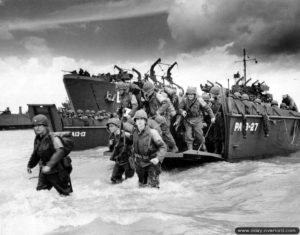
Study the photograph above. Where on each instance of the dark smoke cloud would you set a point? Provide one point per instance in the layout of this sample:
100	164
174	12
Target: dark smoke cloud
264	27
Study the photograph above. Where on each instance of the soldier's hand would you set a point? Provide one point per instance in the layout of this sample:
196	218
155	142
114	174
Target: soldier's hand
213	120
204	124
46	169
176	123
154	161
184	113
29	170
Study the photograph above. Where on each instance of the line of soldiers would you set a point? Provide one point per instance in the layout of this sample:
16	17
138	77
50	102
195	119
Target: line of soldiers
87	118
147	119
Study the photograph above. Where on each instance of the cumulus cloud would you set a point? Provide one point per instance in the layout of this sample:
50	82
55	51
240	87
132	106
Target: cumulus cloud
265	27
36	46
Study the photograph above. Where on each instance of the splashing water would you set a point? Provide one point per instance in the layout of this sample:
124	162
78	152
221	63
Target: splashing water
210	199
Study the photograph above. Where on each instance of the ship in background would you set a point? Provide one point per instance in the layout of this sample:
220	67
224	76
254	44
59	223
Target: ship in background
10	121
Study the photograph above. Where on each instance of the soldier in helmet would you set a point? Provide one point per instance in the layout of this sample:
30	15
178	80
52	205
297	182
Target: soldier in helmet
209	141
191	108
265	119
120	145
218	129
148	151
250	108
157	107
291	105
48	152
128	99
275	110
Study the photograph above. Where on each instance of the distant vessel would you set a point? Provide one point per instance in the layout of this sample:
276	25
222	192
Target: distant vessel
9	121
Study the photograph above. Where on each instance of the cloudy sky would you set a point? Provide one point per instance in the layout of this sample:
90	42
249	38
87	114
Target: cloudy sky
41	38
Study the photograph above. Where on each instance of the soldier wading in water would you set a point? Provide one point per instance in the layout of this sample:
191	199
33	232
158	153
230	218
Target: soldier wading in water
48	153
121	146
148	151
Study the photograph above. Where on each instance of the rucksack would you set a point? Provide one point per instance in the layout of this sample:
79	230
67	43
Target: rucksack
68	143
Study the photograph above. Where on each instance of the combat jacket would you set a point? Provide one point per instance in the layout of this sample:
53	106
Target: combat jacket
157	104
121	146
195	108
48	151
128	100
147	144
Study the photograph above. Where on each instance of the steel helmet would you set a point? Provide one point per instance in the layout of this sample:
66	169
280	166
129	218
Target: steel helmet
257	101
92	111
215	90
206	96
148	88
274	103
121	86
191	90
245	97
87	111
237	94
114	121
283	105
140	114
40	119
79	111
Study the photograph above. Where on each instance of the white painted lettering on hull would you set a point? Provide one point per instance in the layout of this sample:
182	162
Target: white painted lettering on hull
78	133
249	126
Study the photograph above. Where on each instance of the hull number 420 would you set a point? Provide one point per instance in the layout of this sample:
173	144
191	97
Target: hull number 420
78	133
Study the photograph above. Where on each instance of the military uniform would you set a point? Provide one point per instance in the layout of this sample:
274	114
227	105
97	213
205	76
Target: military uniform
49	151
121	147
291	105
147	145
194	118
157	108
218	128
127	99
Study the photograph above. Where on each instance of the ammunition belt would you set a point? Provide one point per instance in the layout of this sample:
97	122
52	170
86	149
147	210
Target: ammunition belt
144	157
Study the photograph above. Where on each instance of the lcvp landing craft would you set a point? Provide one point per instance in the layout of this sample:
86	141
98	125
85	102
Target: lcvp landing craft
246	136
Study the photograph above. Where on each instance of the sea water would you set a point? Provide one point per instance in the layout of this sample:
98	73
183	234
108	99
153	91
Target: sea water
214	198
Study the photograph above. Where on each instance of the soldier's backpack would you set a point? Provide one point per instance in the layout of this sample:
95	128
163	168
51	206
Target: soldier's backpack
68	143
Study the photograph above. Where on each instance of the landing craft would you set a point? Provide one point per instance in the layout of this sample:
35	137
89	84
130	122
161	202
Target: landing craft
245	133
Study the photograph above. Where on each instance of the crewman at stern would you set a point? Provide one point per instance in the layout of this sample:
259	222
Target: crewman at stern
48	152
148	150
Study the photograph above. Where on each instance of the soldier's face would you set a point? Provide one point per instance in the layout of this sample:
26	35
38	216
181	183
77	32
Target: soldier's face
112	128
190	96
141	123
40	130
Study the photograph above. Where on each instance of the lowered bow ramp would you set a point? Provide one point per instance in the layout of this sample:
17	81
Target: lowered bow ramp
189	158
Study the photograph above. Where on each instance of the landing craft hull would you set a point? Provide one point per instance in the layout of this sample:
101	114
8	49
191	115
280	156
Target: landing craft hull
89	93
283	139
88	137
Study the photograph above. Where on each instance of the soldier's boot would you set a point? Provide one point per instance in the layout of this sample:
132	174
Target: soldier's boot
174	149
203	148
190	146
